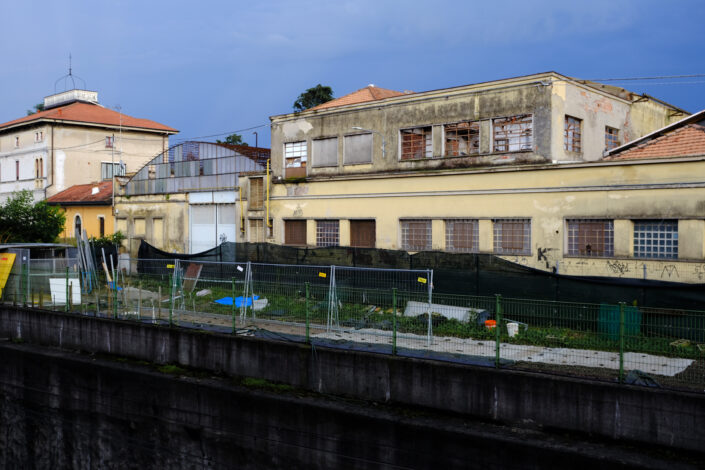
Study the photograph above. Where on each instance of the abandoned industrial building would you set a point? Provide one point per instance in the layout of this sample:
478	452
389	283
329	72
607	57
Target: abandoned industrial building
513	167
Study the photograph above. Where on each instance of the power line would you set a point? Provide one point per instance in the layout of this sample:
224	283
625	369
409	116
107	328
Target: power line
223	133
662	77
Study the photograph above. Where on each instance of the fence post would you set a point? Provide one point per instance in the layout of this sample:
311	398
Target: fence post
394	321
621	342
171	301
429	280
308	326
66	304
497	328
115	297
27	282
232	307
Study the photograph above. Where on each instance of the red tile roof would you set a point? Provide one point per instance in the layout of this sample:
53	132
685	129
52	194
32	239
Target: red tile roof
685	141
79	111
82	194
363	95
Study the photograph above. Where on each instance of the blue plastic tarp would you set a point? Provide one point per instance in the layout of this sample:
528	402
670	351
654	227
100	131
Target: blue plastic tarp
238	301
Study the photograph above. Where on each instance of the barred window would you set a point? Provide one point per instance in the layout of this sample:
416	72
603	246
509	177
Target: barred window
295	154
327	233
416	235
512	236
462	235
462	138
611	138
572	134
656	239
416	143
590	237
513	133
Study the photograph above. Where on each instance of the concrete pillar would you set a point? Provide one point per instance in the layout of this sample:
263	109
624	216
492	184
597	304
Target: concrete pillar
311	232
438	234
623	238
344	232
486	242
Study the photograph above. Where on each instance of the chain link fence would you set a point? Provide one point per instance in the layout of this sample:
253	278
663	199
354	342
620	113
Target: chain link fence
390	311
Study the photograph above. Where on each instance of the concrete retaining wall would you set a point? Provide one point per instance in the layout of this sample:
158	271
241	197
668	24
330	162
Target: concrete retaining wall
614	411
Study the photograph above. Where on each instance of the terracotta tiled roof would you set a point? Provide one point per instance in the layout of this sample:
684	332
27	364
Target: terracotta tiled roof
91	113
688	140
363	95
83	194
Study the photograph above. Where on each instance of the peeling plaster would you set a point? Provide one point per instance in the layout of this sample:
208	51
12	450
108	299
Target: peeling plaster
292	129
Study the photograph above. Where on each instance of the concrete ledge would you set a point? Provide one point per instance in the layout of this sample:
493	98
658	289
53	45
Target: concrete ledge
623	413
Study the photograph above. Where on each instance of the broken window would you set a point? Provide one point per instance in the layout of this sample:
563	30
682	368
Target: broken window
325	152
327	233
512	236
512	134
462	138
462	235
295	154
416	143
415	235
572	134
656	239
611	138
295	232
590	237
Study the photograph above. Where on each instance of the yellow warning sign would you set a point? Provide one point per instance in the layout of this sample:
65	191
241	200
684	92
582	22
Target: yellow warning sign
322	275
169	266
422	280
6	262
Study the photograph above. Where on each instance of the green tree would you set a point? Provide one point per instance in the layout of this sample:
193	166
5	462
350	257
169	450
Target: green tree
232	139
37	108
313	97
22	221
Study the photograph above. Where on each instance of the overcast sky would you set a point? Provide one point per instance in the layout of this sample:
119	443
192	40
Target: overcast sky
213	67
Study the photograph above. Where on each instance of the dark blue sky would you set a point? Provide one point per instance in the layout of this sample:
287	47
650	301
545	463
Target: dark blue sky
215	67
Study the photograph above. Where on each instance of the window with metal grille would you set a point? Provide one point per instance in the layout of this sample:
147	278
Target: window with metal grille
295	232
256	201
462	235
590	237
327	233
512	236
325	152
295	154
415	235
416	143
462	138
611	138
107	168
572	134
357	149
656	239
513	133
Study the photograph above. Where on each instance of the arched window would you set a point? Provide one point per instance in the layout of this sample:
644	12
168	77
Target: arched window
77	225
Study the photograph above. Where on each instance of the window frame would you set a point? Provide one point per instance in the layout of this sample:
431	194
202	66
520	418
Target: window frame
109	142
572	134
518	118
471	143
289	223
314	163
673	251
299	150
256	201
428	145
612	137
580	240
451	236
345	148
498	235
404	233
327	232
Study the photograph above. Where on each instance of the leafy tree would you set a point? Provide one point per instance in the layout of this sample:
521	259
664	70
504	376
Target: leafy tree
37	108
313	97
22	221
232	139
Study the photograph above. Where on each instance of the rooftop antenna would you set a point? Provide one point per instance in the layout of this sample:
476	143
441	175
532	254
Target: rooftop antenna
69	76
